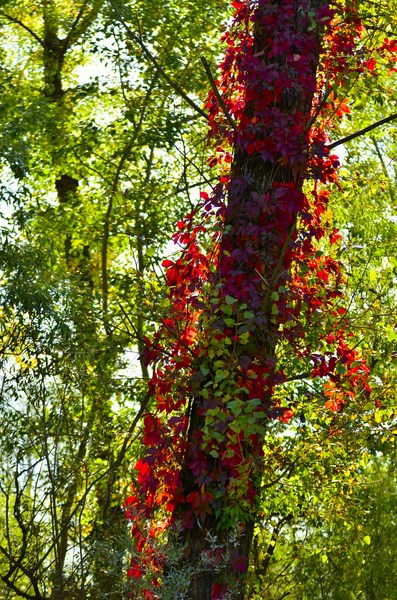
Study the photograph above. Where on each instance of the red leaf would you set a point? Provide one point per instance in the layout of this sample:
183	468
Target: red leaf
167	263
323	275
334	236
218	591
135	571
240	564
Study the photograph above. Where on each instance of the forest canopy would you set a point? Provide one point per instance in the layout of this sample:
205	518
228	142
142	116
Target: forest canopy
198	310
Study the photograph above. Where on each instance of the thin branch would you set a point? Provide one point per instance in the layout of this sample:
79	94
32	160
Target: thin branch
21	24
192	163
75	23
106	226
306	375
21	594
137	39
279	478
106	231
80	24
361	132
128	440
217	94
273	541
384	168
179	189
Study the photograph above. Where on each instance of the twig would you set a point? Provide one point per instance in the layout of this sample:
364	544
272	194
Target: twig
21	24
217	94
155	62
361	132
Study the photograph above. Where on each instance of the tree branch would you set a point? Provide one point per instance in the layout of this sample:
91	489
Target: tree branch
21	24
21	594
137	39
361	132
80	24
106	233
217	94
273	541
106	225
75	23
384	167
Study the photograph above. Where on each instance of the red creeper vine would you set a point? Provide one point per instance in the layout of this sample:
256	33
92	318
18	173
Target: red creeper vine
252	277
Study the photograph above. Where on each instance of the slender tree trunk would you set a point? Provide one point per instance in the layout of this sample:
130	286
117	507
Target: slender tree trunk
250	270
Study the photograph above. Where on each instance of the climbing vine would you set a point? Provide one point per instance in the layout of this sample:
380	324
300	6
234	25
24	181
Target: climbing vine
256	294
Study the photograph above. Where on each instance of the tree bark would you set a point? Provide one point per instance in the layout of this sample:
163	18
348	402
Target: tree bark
255	182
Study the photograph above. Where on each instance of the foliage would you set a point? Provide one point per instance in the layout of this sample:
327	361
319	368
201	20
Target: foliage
346	553
253	403
94	146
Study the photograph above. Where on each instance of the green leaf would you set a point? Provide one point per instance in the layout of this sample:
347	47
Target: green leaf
367	540
221	374
235	406
226	308
248	315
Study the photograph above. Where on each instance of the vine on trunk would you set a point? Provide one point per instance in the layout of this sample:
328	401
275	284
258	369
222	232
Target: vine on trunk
254	297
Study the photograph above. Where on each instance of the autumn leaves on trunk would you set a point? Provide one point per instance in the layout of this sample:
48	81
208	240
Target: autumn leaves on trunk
250	280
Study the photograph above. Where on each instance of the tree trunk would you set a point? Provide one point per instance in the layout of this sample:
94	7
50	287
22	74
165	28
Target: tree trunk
264	200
